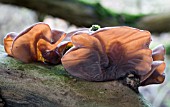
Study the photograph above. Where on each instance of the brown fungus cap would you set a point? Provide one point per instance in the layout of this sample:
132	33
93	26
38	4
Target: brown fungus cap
111	53
156	74
28	45
8	40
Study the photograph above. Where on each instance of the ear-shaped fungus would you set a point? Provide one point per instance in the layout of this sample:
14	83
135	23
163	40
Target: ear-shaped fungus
8	40
112	53
27	45
156	74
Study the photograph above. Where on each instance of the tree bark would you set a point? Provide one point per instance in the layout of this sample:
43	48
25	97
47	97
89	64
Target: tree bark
36	84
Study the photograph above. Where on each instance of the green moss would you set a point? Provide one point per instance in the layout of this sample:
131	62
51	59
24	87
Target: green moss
90	1
105	13
131	19
121	18
36	69
94	28
167	47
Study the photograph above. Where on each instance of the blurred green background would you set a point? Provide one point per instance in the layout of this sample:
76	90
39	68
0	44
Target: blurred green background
68	15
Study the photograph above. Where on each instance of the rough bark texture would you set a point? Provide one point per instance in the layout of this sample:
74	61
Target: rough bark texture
39	85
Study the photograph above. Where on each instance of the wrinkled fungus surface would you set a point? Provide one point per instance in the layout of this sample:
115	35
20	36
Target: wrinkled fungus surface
36	43
102	55
111	53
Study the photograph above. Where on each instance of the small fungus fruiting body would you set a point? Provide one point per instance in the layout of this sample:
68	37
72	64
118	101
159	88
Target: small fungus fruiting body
98	54
8	40
156	74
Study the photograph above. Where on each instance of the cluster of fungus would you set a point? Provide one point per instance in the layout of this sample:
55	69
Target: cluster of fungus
102	54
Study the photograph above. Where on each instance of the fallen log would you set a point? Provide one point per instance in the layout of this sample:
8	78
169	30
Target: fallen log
40	85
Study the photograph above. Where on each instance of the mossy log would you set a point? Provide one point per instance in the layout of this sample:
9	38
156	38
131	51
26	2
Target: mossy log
40	85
